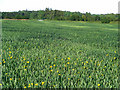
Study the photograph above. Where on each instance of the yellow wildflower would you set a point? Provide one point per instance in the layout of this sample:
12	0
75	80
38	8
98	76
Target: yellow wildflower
0	84
25	69
24	86
3	61
43	83
68	63
57	71
107	54
54	65
102	60
31	83
27	61
73	69
36	84
11	57
86	61
50	66
51	70
98	85
29	86
68	78
59	74
0	63
89	76
9	51
115	51
68	58
61	59
114	57
10	78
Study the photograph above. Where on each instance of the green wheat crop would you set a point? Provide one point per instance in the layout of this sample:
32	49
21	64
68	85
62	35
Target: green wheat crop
53	54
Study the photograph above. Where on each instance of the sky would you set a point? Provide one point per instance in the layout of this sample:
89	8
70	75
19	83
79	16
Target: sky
92	6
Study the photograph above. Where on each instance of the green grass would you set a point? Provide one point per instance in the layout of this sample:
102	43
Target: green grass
57	54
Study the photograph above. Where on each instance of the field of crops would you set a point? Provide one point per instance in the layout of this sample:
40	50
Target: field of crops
54	54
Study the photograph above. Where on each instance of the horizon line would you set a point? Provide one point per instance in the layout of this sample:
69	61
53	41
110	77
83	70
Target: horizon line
55	9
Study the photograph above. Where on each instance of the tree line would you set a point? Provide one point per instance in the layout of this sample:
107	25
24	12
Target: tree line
50	14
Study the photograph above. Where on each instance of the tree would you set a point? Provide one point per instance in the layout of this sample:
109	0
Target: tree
88	16
41	14
59	15
33	15
97	18
83	17
105	20
75	17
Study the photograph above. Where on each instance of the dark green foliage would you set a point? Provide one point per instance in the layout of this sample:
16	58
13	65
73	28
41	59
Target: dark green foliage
105	20
75	17
118	17
59	15
97	17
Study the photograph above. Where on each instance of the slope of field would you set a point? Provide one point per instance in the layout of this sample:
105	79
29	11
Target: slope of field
59	54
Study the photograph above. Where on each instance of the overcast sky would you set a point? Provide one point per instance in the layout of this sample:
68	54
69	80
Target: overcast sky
92	6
